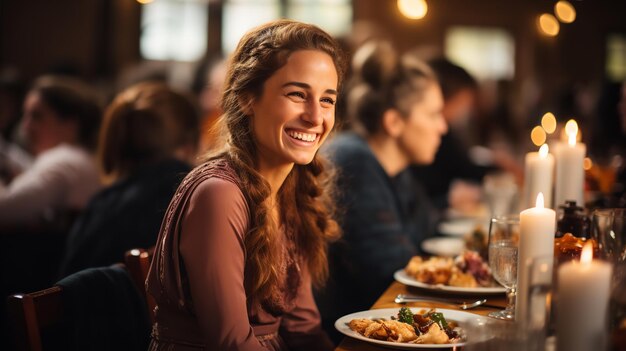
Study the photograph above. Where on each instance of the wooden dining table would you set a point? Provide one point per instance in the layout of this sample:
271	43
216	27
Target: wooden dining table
386	300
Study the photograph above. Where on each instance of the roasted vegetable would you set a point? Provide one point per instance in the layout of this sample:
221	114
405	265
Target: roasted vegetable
439	319
405	316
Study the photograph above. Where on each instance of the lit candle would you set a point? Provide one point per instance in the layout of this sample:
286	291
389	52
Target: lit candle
570	174
583	297
539	168
537	227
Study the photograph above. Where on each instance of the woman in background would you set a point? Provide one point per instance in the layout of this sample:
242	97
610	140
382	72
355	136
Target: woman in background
61	122
148	143
245	236
397	103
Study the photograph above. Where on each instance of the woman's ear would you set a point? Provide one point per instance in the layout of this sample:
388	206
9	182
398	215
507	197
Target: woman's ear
393	123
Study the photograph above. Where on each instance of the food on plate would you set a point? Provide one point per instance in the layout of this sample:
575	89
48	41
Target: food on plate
477	241
467	270
569	247
425	327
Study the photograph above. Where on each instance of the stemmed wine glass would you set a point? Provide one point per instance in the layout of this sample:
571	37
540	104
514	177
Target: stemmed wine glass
503	246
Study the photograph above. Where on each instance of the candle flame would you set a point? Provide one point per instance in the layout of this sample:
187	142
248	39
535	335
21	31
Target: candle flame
587	254
539	202
571	129
543	151
571	139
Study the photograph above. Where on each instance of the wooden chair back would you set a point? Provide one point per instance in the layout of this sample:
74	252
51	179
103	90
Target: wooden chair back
36	317
32	314
138	264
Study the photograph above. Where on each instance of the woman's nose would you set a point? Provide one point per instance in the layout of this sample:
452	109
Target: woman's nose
313	114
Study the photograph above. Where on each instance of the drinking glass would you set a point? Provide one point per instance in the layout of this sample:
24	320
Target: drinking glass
503	246
608	228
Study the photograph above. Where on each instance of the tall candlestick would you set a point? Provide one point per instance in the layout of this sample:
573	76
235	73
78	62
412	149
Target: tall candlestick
570	174
537	227
539	169
583	297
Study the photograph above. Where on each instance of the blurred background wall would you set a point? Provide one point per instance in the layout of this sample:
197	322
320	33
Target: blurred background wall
100	40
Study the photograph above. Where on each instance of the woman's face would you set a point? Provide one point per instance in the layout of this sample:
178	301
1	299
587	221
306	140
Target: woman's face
43	127
424	127
296	109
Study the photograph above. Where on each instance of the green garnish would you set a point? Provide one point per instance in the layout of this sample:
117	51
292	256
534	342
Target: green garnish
405	315
438	318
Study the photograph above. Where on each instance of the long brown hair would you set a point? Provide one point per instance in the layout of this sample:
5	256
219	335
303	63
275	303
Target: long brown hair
260	53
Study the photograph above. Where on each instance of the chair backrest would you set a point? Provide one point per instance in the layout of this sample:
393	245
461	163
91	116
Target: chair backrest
48	319
138	264
30	314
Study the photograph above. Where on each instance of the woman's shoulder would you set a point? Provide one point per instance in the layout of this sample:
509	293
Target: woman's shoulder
215	182
217	168
64	154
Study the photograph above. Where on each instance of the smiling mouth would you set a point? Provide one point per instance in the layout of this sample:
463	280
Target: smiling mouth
307	137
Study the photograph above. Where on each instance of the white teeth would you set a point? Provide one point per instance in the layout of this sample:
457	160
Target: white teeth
302	136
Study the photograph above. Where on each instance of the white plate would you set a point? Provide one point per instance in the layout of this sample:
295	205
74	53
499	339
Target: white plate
444	246
401	276
458	316
457	227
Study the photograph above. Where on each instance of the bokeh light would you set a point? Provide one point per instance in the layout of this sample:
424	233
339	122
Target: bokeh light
144	1
587	163
549	25
538	136
413	9
565	11
548	122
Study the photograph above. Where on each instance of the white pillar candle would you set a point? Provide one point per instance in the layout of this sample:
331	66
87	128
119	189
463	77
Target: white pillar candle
539	170
537	228
570	174
583	297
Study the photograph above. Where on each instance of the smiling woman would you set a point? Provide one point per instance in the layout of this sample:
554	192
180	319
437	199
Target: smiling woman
235	259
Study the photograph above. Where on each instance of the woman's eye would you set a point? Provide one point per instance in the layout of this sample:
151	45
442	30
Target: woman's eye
297	94
327	100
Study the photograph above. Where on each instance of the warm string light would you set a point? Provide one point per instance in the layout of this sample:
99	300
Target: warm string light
549	25
565	11
413	9
548	122
538	136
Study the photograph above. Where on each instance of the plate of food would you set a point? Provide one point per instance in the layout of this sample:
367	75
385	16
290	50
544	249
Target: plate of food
409	328
464	274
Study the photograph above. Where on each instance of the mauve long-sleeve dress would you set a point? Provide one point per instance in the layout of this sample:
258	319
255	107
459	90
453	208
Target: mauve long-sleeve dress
197	276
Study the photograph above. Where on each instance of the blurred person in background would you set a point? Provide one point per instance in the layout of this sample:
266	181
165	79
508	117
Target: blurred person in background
452	161
13	158
209	87
61	121
148	143
397	105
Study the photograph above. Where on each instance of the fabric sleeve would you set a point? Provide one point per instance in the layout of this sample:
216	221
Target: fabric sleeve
212	248
379	243
27	198
301	328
